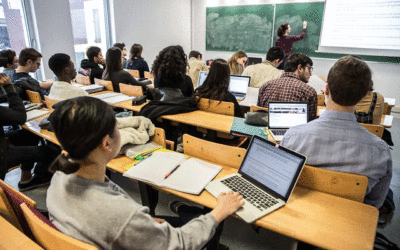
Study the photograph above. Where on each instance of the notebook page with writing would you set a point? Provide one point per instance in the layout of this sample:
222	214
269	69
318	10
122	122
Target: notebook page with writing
192	176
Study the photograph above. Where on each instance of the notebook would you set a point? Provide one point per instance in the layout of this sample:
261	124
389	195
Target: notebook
266	178
190	175
240	128
35	113
284	115
112	98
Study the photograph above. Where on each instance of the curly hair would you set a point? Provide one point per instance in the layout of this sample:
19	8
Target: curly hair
282	29
169	67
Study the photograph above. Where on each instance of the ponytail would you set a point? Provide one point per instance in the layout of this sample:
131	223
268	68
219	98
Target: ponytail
64	164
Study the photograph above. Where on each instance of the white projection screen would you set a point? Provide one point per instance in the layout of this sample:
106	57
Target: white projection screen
365	27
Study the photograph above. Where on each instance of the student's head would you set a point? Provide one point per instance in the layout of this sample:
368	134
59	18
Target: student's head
299	64
275	56
113	62
195	54
240	57
62	66
30	59
83	125
283	30
136	51
94	54
169	67
217	82
349	80
122	47
12	60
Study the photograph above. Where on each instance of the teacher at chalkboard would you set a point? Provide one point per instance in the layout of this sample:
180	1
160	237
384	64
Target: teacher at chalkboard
285	42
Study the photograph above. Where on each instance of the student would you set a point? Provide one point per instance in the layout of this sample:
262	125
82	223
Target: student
115	73
24	151
237	62
90	67
291	86
29	61
122	47
267	70
169	71
64	69
83	203
216	85
12	62
285	42
136	60
336	141
195	66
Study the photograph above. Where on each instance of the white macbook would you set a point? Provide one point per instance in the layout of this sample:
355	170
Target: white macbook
266	178
284	115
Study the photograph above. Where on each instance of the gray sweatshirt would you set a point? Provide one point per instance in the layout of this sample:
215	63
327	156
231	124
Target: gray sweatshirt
102	214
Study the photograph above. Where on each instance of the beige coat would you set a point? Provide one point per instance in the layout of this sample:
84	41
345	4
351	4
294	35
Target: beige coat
261	73
195	66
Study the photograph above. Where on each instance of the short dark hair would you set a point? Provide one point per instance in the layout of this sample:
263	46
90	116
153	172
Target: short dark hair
195	54
275	53
282	29
9	54
294	60
136	51
92	52
349	80
121	46
58	62
73	124
28	54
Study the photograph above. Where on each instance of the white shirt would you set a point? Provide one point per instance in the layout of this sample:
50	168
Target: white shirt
63	90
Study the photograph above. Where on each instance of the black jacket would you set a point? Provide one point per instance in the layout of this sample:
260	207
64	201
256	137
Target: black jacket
155	109
94	69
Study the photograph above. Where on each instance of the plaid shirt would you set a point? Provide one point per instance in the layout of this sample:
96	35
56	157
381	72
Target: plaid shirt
289	88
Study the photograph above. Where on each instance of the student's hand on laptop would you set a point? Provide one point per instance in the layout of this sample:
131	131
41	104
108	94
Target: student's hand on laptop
227	204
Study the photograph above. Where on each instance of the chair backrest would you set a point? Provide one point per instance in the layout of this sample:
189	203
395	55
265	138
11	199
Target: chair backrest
133	72
223	108
33	96
159	137
321	100
131	90
148	75
84	80
107	84
345	185
49	102
213	152
50	238
6	210
375	129
255	108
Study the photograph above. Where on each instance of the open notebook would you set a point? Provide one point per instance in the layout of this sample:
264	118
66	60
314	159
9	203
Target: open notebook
190	177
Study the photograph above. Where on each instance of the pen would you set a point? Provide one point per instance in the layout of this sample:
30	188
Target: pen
173	170
143	159
140	157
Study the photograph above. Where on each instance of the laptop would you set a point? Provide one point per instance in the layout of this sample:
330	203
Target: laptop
284	115
266	178
253	60
238	85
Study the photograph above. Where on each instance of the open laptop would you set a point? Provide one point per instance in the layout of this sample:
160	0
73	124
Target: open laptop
253	60
266	178
284	115
238	85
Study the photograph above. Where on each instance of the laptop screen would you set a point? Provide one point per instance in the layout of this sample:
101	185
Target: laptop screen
273	168
202	77
239	84
287	114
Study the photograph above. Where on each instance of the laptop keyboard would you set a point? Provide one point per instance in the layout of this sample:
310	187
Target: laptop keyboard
279	131
250	193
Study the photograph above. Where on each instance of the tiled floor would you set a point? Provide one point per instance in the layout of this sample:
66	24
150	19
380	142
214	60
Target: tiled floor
237	234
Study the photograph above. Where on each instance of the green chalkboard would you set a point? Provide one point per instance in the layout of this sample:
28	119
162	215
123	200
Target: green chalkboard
240	27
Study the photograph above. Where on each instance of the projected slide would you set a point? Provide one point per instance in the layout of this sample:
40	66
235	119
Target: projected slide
361	24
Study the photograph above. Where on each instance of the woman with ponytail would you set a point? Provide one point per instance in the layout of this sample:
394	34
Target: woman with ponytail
85	204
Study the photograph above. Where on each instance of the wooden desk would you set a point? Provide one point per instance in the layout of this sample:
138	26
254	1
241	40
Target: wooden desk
13	239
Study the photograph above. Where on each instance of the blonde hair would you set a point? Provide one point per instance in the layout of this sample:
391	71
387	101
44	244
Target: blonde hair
234	66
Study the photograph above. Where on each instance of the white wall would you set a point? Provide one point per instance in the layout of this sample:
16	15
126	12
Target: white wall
54	28
154	24
386	76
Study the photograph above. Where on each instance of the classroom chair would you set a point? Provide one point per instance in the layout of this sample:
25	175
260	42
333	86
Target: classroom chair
107	84
84	80
148	75
131	90
133	72
218	107
375	129
47	235
34	97
321	100
49	102
255	108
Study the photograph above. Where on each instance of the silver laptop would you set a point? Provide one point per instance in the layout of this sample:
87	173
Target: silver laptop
238	85
266	178
284	115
